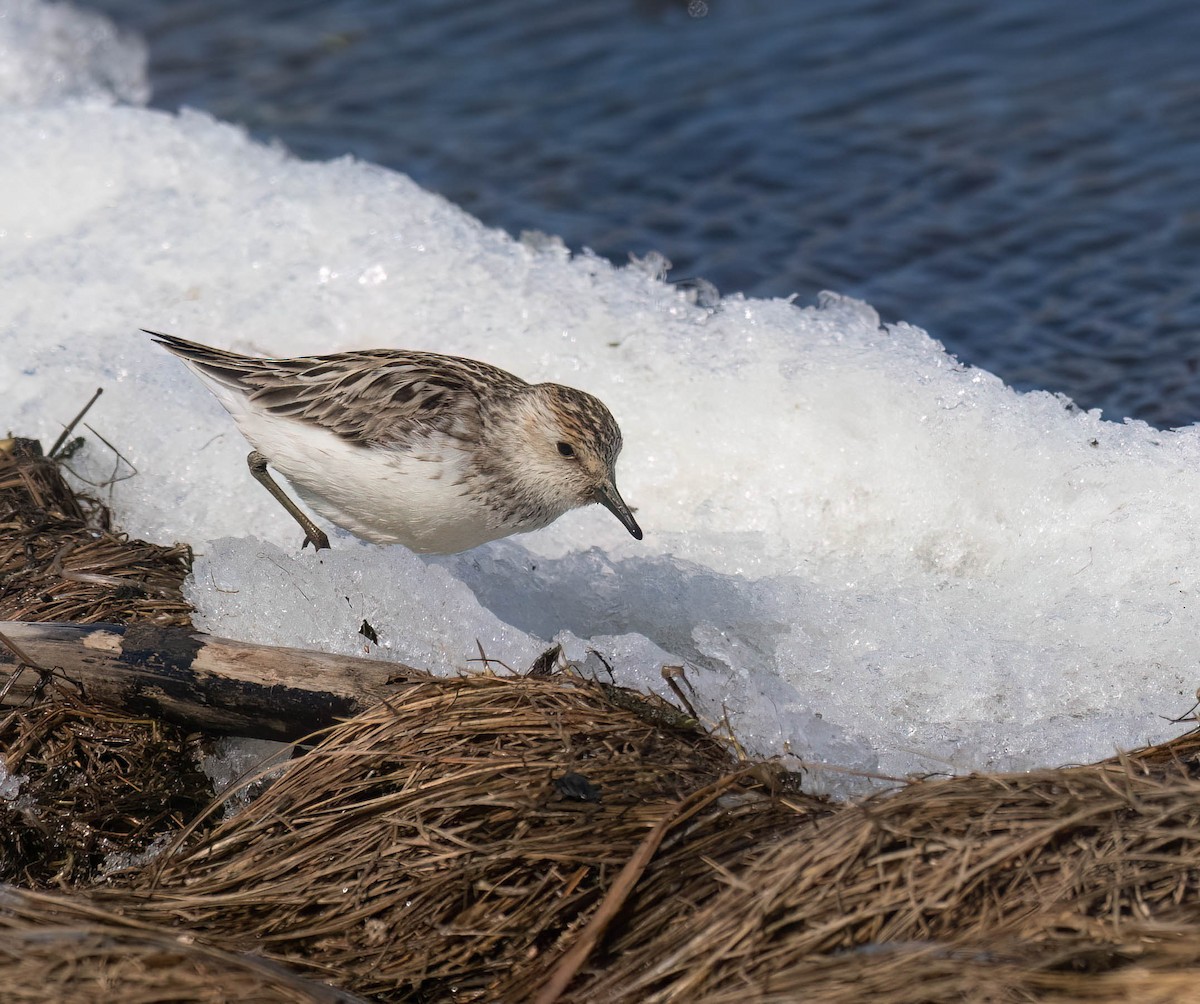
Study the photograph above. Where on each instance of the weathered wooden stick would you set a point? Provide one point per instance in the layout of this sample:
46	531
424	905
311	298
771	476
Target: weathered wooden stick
198	681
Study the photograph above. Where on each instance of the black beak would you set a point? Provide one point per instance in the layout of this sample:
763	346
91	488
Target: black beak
608	496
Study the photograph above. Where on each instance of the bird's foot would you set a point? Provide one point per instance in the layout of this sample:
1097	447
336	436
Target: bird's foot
320	541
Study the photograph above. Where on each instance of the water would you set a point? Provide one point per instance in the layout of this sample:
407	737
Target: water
1019	179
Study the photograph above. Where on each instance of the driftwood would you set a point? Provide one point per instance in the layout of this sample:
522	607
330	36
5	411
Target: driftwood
181	675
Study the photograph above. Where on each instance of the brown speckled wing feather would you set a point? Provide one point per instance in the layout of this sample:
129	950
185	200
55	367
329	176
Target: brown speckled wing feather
374	397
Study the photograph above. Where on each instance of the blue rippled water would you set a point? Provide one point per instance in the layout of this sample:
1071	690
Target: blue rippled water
1021	179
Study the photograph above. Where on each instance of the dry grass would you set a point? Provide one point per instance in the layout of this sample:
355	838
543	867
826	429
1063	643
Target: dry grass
99	787
1073	884
60	949
60	560
98	781
426	850
423	852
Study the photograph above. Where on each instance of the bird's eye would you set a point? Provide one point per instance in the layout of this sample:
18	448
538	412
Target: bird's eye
566	449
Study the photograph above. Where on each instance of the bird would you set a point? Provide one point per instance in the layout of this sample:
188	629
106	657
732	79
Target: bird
438	453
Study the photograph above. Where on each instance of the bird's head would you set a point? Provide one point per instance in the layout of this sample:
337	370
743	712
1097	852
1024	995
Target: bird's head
569	448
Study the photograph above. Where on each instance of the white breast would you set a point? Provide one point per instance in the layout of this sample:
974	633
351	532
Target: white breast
410	497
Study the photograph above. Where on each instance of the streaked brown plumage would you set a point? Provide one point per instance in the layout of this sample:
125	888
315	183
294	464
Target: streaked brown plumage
439	453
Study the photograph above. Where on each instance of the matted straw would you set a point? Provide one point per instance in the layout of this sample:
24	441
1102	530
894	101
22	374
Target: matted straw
455	842
1050	885
95	785
97	789
61	561
56	950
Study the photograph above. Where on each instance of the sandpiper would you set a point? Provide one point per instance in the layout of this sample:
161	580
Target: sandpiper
438	453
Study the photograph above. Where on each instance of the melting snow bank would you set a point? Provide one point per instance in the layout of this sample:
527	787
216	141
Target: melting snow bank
864	551
51	52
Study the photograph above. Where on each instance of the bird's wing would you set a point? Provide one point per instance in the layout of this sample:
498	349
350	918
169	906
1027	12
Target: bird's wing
374	397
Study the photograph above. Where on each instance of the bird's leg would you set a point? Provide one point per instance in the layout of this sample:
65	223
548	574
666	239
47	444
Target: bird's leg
258	467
